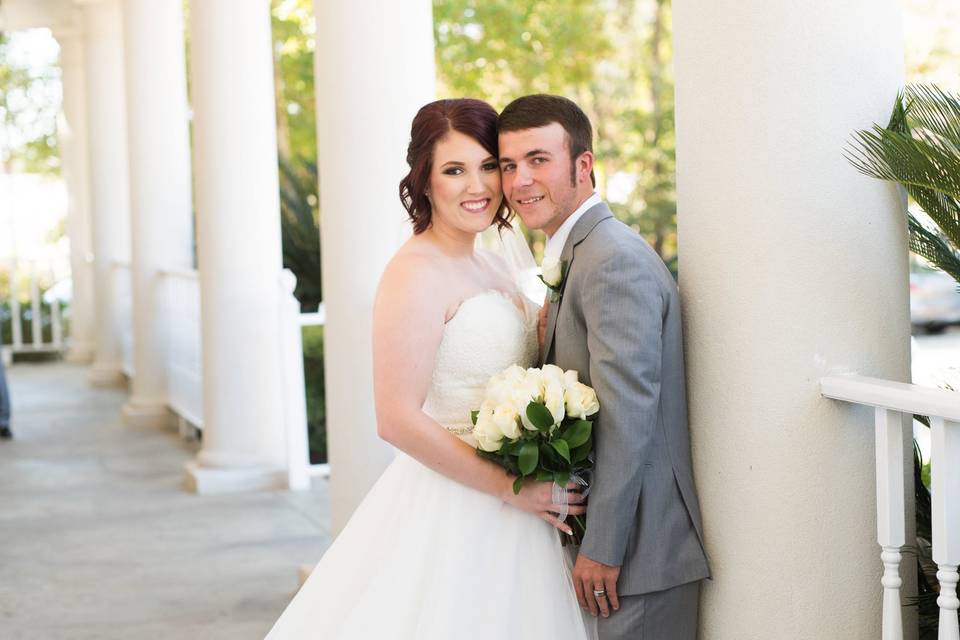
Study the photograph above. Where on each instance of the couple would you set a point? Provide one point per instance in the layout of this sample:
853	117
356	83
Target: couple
441	547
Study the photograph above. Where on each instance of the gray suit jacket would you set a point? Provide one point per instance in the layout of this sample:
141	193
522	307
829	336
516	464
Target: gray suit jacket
618	324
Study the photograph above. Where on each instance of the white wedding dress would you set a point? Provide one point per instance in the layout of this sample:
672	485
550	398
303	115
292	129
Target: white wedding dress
427	558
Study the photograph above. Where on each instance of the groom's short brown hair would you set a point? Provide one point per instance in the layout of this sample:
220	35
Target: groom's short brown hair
540	110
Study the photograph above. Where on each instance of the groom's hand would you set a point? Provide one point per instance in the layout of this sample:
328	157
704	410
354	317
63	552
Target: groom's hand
590	576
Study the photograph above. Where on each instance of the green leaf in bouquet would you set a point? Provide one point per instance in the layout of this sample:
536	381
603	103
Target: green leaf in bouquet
517	485
578	433
540	416
550	459
561	447
529	455
580	454
473	417
561	478
543	475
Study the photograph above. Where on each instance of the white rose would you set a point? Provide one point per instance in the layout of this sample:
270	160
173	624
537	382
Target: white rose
514	374
552	273
498	391
520	400
552	373
533	380
570	378
486	432
581	401
554	398
505	417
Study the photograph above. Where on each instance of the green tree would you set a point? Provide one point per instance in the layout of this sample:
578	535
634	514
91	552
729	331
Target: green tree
29	102
612	57
293	39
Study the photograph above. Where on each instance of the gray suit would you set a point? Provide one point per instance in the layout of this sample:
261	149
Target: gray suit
618	324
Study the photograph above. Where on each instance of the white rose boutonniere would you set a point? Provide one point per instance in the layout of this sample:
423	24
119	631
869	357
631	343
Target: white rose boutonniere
553	272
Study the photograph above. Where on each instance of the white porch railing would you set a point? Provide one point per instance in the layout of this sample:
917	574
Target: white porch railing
181	307
894	404
36	344
121	281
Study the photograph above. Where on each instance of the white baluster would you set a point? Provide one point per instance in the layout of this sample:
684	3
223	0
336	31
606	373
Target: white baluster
891	581
945	496
891	524
56	324
295	404
948	602
36	318
15	321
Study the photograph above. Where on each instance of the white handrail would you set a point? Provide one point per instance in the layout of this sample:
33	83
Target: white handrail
898	396
894	405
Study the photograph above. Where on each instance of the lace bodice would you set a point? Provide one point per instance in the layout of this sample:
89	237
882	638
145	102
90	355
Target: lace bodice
487	334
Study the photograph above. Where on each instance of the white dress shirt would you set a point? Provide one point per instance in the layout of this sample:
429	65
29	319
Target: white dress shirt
557	240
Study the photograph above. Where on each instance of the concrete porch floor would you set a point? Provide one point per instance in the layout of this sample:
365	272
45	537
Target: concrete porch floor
99	539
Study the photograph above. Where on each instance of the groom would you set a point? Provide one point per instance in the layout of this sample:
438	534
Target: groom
616	320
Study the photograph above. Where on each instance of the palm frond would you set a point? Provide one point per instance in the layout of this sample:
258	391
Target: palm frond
902	157
943	210
933	109
934	248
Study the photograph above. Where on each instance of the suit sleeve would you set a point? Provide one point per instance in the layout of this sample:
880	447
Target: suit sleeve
623	307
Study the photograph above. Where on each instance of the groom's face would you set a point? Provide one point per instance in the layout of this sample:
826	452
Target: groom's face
536	169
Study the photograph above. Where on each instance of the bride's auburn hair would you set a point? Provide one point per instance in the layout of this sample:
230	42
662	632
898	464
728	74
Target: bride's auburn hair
471	117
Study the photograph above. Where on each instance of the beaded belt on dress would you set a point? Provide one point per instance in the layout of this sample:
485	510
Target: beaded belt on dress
459	429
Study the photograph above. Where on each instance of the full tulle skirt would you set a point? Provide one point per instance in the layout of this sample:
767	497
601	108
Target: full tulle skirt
427	558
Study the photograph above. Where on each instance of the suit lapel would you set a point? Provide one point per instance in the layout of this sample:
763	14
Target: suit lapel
580	231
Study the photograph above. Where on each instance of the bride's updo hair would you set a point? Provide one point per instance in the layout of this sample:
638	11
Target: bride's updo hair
474	118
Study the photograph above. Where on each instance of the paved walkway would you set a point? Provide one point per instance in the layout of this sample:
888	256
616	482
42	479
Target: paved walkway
99	540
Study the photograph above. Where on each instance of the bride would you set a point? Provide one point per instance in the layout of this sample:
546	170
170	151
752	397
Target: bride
441	547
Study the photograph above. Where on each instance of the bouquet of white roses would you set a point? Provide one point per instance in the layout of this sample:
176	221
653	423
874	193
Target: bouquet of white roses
538	423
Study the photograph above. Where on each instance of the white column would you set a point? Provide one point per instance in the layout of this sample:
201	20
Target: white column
160	197
792	266
238	236
109	191
74	154
374	70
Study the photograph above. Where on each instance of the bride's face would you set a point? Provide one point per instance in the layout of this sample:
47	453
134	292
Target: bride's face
464	184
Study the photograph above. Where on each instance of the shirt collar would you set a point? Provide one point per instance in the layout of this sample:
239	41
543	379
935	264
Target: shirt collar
557	240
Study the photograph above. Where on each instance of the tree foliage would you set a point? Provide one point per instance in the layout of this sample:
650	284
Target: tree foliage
293	39
612	57
29	102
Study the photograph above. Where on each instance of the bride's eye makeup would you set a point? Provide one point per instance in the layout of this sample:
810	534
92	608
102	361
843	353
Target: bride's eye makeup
453	171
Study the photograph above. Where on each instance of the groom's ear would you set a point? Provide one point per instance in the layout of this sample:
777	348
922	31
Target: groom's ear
584	166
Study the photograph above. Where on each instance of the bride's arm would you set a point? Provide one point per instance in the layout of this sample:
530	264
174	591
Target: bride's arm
408	323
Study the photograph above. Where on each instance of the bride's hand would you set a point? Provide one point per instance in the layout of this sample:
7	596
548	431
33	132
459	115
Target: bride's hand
537	498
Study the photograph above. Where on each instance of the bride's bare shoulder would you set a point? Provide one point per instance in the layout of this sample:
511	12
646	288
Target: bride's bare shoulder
413	272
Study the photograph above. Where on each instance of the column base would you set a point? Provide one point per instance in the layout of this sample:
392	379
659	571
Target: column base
106	375
213	480
80	353
150	414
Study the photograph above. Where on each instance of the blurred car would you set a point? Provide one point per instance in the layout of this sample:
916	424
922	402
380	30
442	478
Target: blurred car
934	299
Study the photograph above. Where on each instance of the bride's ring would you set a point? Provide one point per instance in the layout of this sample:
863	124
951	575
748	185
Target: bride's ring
599	593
